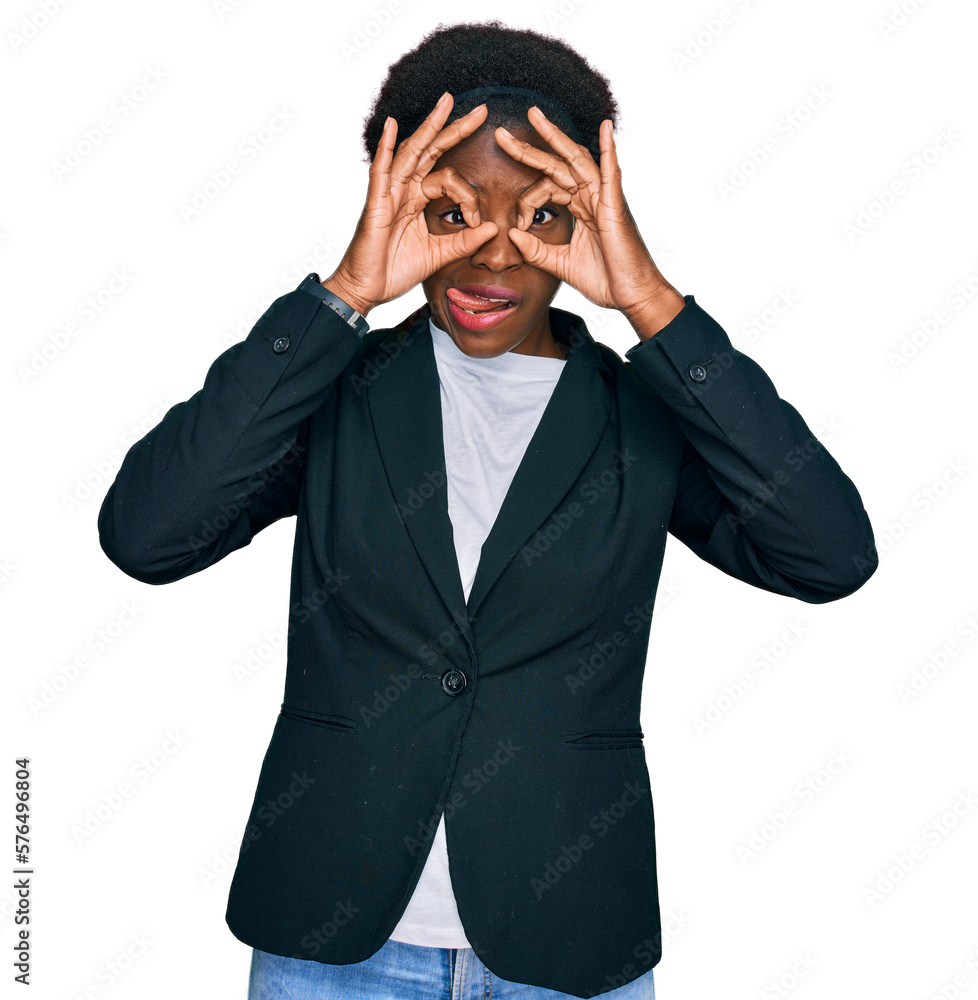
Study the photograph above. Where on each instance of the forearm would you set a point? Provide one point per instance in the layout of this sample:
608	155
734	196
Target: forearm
197	486
762	498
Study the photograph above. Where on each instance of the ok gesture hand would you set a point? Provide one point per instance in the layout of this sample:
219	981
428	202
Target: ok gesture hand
606	259
392	250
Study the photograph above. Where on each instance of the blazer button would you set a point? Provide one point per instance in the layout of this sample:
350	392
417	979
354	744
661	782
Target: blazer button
452	681
280	345
697	373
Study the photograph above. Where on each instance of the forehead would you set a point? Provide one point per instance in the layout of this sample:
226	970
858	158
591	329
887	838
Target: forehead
484	164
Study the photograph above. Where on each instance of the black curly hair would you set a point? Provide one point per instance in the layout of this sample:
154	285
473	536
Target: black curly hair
463	57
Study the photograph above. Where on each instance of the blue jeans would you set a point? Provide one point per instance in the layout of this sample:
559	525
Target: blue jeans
402	971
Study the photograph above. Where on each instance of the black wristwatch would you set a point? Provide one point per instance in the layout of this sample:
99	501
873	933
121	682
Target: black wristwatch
346	312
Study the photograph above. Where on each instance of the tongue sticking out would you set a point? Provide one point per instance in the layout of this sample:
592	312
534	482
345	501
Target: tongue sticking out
476	303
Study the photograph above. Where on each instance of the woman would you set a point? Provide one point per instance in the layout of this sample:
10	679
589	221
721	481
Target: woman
482	498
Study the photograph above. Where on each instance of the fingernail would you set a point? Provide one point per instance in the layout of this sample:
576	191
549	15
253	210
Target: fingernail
443	96
505	131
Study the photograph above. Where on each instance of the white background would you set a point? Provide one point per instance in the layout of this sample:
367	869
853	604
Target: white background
158	868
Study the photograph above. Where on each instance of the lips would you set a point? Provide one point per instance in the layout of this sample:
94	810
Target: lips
478	307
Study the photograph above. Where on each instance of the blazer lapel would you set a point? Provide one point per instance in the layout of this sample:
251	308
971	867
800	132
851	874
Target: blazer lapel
405	407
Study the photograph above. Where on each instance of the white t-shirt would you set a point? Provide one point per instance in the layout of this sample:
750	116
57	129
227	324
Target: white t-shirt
490	409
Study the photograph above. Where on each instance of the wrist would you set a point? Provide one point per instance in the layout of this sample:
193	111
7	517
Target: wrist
338	285
656	311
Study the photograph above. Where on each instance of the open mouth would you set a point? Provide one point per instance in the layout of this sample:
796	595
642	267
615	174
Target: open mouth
479	310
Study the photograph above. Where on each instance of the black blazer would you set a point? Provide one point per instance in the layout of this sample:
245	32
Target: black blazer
516	712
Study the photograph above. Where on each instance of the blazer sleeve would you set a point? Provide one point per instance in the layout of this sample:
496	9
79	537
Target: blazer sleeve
758	496
227	462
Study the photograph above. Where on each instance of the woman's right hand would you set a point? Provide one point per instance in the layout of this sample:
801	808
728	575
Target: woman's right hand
392	250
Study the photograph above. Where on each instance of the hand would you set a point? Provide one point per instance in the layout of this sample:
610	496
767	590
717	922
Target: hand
392	250
606	259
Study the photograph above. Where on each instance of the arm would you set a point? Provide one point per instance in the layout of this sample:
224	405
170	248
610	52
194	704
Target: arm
758	496
227	462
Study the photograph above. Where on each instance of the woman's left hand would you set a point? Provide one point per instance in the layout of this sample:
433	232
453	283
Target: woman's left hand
606	259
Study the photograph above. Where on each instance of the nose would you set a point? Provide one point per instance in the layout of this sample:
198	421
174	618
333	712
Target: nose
499	253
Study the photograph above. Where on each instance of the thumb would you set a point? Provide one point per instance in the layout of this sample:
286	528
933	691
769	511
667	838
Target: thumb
463	243
533	250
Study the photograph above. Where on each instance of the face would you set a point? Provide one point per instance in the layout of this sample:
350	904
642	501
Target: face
458	293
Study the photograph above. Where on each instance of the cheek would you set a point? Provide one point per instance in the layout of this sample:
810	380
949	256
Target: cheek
543	286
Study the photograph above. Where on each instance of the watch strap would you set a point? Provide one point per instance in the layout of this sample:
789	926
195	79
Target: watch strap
312	284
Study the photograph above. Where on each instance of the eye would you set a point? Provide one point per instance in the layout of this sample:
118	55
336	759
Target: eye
453	216
539	216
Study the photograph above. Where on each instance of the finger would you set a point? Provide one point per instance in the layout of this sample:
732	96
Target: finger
447	183
464	243
610	170
546	189
553	166
450	136
410	150
578	157
537	253
379	183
